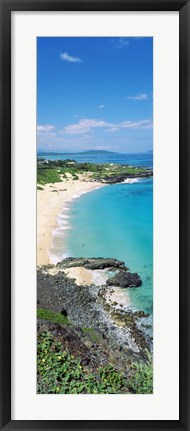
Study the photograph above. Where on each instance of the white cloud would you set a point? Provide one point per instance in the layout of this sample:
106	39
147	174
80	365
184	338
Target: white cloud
141	124
121	42
85	125
128	124
82	130
101	106
69	58
142	96
43	128
113	128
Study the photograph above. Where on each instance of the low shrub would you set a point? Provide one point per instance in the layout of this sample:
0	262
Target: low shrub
52	316
141	380
59	372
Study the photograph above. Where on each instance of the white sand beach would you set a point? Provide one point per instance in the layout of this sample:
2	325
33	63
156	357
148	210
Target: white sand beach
82	276
50	201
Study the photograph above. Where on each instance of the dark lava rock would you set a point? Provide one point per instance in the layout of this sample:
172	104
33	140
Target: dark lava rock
124	279
122	177
92	263
140	314
87	307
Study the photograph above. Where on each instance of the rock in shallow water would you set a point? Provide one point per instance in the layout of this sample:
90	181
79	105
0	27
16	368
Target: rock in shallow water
124	279
92	263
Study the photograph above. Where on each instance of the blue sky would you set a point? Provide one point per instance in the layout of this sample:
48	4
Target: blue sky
94	93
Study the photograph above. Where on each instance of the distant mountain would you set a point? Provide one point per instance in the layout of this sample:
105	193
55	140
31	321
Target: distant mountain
48	153
149	151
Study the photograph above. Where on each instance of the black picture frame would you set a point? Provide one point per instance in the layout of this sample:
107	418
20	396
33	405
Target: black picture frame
183	6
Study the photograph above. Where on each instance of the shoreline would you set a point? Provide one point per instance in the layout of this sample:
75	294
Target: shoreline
50	202
96	307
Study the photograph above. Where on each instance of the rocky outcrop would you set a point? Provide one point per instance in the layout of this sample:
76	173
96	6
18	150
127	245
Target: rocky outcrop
124	279
113	179
89	306
86	343
92	263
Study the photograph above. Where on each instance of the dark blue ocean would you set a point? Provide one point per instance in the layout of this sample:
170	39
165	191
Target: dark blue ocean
144	159
115	221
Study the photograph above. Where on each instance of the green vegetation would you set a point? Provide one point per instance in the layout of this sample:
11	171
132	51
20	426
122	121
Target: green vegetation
61	373
141	381
75	177
49	171
48	176
52	316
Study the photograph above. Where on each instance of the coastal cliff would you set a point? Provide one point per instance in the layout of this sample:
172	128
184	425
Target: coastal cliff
87	320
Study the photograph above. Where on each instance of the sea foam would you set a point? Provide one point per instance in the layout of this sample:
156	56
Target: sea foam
131	181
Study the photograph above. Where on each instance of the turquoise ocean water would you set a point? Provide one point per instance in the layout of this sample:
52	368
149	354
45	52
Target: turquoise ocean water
114	221
144	159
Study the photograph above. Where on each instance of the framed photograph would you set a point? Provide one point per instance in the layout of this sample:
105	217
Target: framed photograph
94	215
